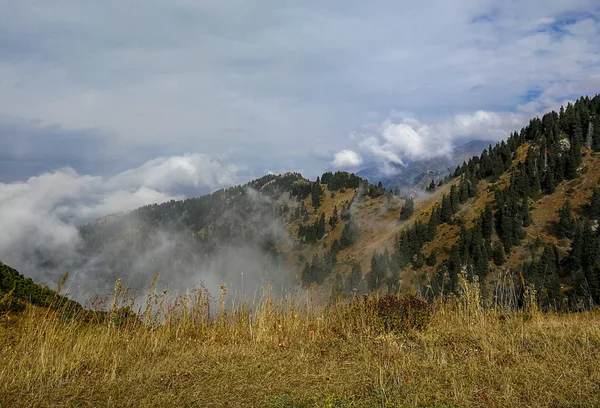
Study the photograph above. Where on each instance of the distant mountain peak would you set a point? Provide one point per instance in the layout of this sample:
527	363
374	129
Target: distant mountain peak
412	174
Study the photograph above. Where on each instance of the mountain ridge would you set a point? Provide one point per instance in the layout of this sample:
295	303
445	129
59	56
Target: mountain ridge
291	230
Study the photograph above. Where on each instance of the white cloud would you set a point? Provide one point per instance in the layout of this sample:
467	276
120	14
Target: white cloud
276	80
191	170
346	159
404	138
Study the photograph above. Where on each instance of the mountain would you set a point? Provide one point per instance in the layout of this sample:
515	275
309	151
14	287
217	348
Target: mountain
418	174
520	219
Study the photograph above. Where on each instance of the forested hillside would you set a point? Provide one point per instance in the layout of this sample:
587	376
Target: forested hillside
495	205
521	219
492	253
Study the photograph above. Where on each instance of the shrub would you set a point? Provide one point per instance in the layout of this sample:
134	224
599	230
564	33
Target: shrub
392	313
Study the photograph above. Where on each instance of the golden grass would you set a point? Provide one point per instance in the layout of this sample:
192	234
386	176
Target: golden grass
282	354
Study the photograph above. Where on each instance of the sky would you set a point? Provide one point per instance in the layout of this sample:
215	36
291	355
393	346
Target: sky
106	105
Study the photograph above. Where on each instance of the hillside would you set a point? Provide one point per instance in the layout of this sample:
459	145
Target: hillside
496	255
16	292
496	216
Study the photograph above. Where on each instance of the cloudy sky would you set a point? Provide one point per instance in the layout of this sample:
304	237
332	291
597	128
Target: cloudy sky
161	94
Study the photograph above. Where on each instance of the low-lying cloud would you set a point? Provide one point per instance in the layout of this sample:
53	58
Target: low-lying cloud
39	219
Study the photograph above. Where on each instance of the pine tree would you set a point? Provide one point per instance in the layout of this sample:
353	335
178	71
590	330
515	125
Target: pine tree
573	159
431	260
463	190
316	193
334	217
498	254
487	222
565	227
431	185
454	199
526	213
408	209
321	226
308	276
595	124
349	234
446	213
354	280
337	288
393	281
548	182
377	274
595	204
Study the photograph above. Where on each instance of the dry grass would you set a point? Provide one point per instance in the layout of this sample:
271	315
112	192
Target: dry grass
288	353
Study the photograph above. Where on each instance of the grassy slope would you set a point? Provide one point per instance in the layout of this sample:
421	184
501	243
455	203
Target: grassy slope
294	357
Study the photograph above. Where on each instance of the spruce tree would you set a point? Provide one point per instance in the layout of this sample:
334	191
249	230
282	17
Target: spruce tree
498	254
446	213
487	222
321	226
354	280
573	159
376	276
349	234
454	199
316	193
308	276
526	213
565	227
431	185
594	210
408	209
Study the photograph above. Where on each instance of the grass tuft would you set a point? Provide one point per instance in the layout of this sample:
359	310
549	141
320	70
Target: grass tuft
378	351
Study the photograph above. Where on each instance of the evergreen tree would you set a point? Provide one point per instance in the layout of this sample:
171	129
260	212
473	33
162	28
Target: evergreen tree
349	234
595	131
393	281
463	190
308	276
548	180
431	186
321	226
454	199
487	222
316	193
431	260
334	217
377	274
594	210
354	280
565	227
446	213
573	159
337	288
498	254
526	213
408	209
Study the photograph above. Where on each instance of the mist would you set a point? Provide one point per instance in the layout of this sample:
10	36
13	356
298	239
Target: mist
46	223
